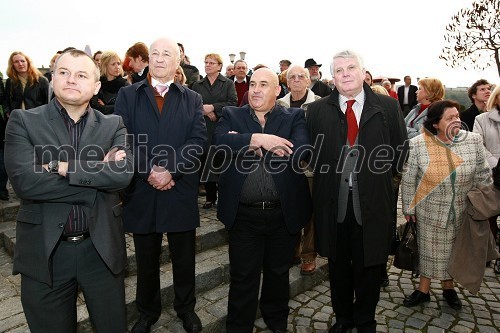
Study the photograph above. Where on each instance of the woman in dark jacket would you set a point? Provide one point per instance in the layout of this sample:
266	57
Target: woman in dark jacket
26	87
111	81
217	91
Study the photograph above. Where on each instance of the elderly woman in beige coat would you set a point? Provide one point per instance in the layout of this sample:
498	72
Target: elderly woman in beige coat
488	125
444	164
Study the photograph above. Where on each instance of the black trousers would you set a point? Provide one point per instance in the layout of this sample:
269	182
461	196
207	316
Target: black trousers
53	308
259	241
355	289
182	253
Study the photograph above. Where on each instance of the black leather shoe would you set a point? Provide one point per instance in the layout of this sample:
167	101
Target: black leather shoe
190	321
4	195
416	298
452	299
496	268
143	325
340	328
208	205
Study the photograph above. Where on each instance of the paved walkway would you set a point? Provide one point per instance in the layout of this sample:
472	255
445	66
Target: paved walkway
311	310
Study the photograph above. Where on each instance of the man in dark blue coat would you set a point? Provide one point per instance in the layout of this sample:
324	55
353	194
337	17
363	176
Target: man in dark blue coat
264	201
166	123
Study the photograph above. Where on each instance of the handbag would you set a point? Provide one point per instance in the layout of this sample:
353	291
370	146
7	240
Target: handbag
406	256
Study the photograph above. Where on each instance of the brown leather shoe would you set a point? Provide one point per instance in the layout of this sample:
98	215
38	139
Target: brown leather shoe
308	267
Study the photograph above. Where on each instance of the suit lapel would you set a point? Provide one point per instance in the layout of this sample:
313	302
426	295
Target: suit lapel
273	123
57	124
88	130
152	100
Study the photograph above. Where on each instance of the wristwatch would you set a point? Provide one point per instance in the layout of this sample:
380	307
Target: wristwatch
53	166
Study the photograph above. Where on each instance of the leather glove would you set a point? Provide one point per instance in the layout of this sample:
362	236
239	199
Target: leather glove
496	175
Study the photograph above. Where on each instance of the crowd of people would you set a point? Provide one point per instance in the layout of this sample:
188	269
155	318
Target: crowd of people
296	168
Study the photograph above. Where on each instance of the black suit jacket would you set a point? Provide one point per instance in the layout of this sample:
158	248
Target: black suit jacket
412	96
37	136
290	181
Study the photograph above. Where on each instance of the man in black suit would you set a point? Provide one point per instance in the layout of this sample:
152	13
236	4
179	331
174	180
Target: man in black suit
264	201
67	162
407	96
166	122
352	188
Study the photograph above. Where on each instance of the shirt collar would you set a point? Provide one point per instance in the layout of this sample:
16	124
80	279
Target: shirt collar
359	98
244	80
155	82
64	113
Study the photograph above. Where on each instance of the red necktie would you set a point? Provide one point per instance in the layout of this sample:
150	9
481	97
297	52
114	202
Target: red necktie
352	124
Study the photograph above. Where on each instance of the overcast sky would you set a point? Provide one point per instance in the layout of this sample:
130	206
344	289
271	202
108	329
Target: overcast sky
395	37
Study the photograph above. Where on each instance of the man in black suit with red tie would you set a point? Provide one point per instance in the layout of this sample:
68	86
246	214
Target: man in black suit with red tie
360	142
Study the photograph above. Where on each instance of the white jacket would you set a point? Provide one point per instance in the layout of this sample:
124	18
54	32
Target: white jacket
488	125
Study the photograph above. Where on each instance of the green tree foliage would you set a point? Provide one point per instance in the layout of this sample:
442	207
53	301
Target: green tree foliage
473	37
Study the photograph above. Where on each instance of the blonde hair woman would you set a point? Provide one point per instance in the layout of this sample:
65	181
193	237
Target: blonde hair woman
429	90
111	82
26	87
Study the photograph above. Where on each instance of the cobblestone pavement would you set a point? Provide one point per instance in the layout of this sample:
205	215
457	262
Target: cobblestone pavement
311	311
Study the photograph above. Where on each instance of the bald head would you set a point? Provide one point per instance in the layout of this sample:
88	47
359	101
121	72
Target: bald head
164	58
263	90
265	72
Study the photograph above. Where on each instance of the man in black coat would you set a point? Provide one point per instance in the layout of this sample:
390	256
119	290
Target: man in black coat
478	94
317	86
166	121
407	96
360	142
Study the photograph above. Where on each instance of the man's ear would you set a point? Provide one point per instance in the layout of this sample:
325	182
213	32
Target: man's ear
97	87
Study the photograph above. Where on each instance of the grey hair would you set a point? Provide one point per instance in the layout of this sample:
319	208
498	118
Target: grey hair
240	60
306	72
347	54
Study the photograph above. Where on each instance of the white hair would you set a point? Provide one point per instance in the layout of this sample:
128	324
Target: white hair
347	54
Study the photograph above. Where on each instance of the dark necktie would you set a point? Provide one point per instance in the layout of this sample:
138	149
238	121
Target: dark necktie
352	124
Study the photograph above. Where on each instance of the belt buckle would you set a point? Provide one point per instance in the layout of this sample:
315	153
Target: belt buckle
75	239
263	205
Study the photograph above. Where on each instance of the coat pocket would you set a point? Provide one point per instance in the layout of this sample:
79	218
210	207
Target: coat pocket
29	216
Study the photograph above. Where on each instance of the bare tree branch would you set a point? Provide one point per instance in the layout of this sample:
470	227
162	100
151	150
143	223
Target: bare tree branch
473	37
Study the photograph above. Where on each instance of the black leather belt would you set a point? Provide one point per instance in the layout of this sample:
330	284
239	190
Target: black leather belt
75	238
262	204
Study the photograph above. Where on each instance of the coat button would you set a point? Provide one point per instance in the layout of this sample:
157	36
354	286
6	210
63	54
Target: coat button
61	225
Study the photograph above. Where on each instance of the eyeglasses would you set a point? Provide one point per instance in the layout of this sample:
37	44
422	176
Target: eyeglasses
297	77
211	63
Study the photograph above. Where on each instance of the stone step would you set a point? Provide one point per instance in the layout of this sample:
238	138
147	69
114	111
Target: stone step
210	234
212	287
8	210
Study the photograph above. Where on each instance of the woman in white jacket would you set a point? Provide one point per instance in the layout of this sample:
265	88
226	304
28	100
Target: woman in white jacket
488	125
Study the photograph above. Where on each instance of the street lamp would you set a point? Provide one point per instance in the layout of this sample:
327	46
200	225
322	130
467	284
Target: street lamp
231	57
242	55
